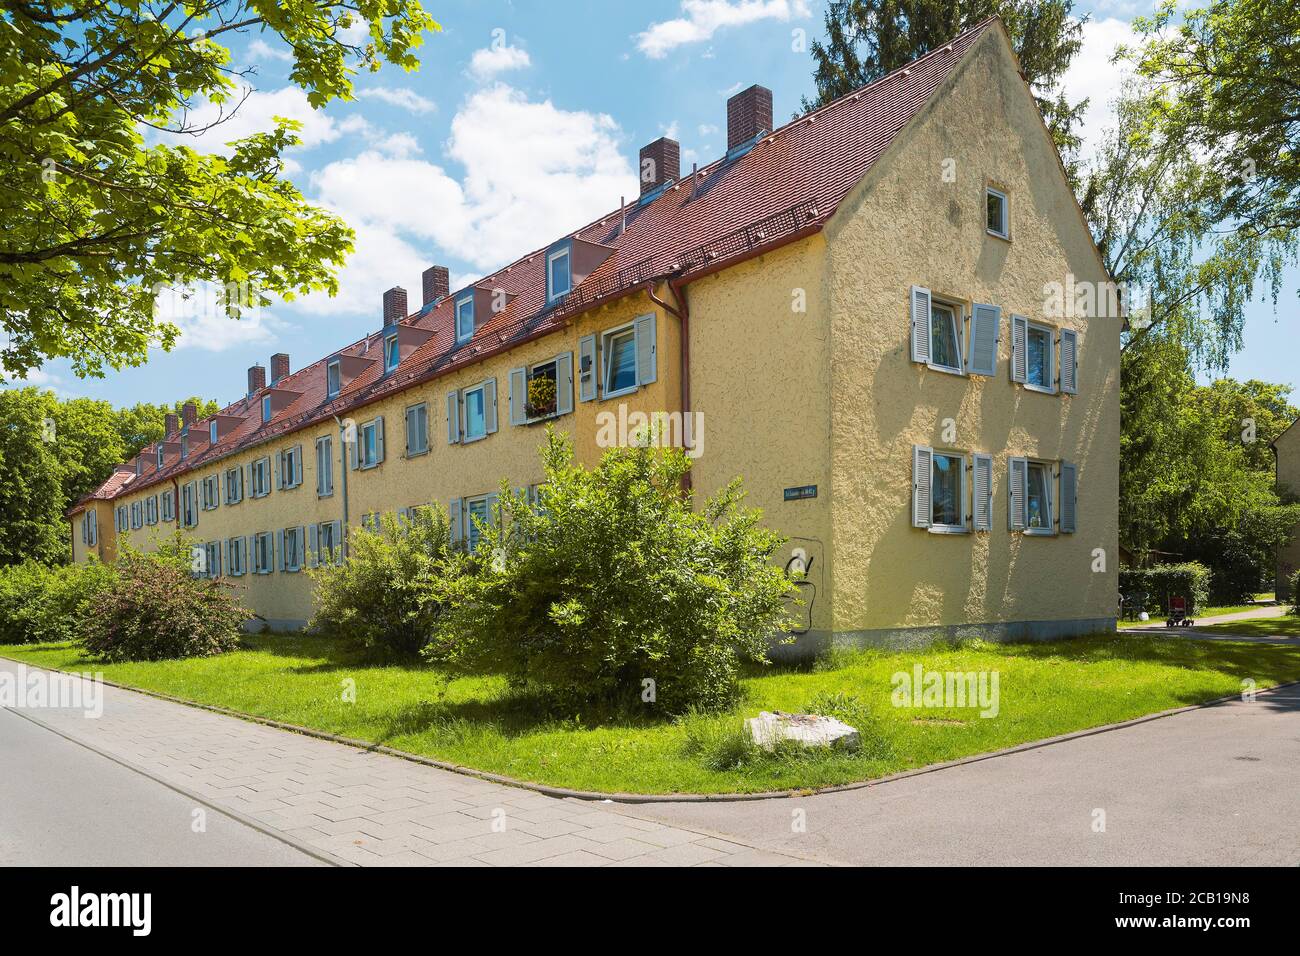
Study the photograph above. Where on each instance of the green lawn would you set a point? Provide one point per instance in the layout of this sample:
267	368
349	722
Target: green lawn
1159	618
1045	689
1286	626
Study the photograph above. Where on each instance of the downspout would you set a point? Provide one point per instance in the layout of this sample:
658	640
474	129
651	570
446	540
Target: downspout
343	482
176	503
683	315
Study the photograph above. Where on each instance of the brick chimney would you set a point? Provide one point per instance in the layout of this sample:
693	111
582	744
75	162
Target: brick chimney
394	305
437	283
661	162
189	414
171	423
279	366
256	379
749	113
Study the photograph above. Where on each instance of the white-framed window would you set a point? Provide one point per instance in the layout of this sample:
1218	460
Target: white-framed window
559	277
465	318
185	446
324	466
236	556
160	456
151	510
263	553
212	559
168	506
89	527
328	547
997	213
417	429
939	490
292	549
212	431
122	518
370	443
618	346
333	379
392	353
478	514
211	493
290	465
1030	504
266	409
234	485
937	327
370	521
1040	371
474	402
259	478
190	504
542	390
137	515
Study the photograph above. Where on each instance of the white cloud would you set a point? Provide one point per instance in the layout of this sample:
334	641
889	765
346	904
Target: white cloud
256	114
200	313
1092	75
402	96
532	171
672	130
702	18
259	49
494	60
707	129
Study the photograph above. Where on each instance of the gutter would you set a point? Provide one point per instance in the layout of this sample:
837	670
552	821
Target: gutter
684	320
343	483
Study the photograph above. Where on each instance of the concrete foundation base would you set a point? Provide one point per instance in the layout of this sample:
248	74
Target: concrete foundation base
814	643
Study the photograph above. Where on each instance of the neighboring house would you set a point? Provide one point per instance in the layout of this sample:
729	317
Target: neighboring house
856	304
1286	449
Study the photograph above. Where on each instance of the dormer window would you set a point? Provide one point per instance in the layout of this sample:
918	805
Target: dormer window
559	277
266	409
212	432
333	379
392	355
160	456
185	446
465	318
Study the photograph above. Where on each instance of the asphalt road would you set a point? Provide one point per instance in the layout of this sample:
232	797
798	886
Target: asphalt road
1213	786
62	804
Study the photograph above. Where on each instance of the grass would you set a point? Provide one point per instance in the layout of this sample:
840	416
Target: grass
1286	626
1045	689
1159	617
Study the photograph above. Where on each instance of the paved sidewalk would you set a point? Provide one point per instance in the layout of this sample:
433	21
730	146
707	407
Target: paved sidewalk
1157	626
353	806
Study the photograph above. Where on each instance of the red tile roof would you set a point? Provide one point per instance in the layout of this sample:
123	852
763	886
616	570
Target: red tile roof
791	181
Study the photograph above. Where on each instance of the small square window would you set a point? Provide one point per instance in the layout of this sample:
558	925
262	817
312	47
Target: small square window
996	217
465	318
333	380
559	279
620	361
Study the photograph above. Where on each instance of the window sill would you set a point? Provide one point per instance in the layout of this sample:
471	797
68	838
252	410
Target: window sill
1005	237
946	369
467	440
325	494
545	418
1039	532
947	529
620	393
416	454
1041	389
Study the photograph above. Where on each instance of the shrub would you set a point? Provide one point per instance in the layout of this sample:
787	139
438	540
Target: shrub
40	603
156	610
384	598
1164	581
1295	592
614	581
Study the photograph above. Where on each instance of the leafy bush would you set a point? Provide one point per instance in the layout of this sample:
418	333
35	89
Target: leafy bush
40	603
614	591
1164	581
156	610
1295	592
1242	558
385	597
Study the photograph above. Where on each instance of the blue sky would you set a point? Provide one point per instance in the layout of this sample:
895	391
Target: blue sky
522	123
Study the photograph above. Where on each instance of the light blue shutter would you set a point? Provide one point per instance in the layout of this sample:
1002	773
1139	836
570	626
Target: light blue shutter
920	324
1019	348
982	504
518	397
1017	491
1069	361
277	561
453	417
922	474
379	439
454	520
1069	497
564	383
646	350
490	405
984	324
587	370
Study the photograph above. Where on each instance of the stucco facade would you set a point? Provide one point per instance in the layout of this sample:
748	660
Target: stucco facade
797	366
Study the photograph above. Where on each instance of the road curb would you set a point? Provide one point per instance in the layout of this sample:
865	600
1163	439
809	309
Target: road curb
640	798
